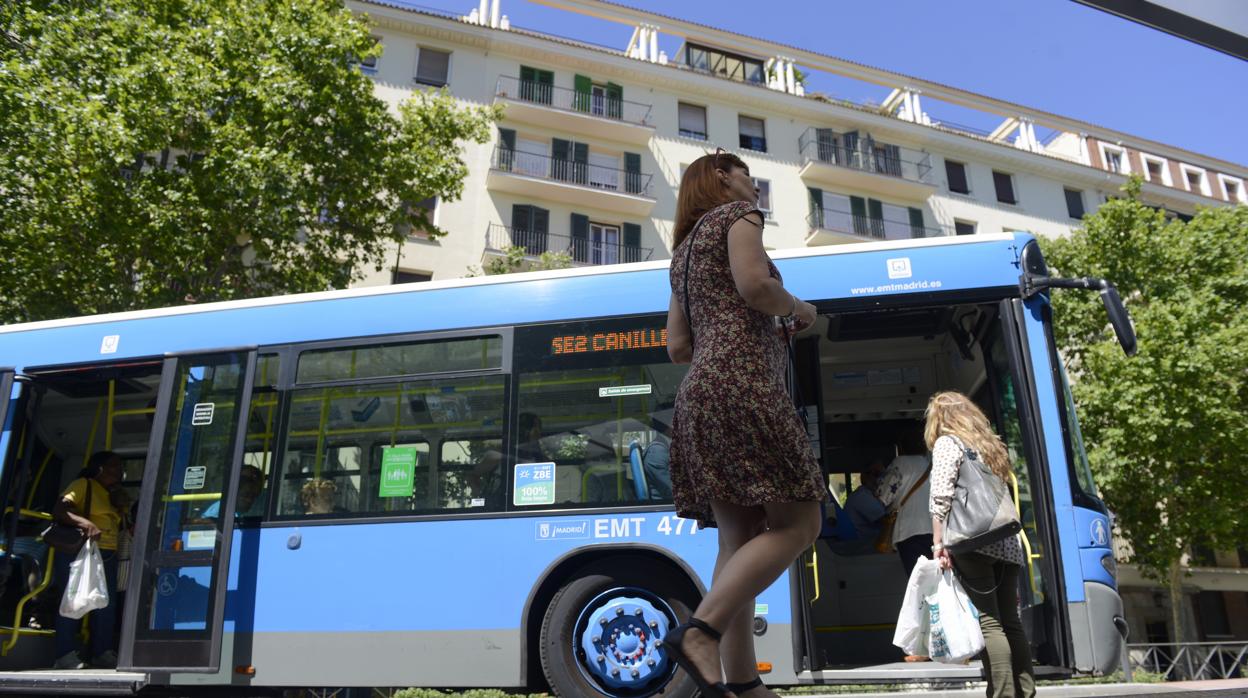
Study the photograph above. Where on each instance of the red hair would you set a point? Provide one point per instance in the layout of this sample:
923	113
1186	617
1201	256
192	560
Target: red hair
701	190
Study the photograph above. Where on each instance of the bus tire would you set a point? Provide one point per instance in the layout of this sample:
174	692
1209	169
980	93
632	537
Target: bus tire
561	660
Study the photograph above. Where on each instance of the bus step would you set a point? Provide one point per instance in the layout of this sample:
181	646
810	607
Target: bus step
79	682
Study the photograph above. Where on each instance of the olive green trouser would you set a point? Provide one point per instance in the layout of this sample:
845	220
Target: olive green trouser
992	586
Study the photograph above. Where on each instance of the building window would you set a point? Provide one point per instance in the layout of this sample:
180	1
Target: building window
1115	159
430	206
729	65
403	276
368	65
1196	180
537	85
692	121
604	243
1074	203
1156	169
963	227
955	172
1232	189
432	67
764	196
753	136
1004	183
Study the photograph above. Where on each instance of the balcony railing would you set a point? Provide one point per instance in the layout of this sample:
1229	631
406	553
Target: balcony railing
562	98
583	250
582	173
867	227
1191	661
867	155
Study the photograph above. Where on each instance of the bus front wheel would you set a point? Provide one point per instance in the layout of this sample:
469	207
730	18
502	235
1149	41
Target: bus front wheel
602	635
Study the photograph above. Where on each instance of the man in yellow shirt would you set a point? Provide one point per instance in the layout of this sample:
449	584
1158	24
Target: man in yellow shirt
96	517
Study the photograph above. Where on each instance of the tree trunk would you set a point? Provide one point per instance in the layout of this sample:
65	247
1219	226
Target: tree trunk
1175	584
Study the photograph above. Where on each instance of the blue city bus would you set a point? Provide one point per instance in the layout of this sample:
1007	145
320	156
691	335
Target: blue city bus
463	482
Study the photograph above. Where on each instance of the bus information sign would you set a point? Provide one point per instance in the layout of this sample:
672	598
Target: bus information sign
398	471
535	484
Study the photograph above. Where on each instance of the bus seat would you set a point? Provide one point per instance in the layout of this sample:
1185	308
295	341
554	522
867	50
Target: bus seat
640	488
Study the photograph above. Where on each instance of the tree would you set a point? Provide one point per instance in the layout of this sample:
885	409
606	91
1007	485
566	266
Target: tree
157	152
1166	429
513	261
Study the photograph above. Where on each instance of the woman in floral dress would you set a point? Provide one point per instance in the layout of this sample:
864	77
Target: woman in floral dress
740	457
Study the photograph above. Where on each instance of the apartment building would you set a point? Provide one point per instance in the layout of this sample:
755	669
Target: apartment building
589	153
588	156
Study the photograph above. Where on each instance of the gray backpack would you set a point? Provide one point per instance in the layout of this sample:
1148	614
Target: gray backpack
982	510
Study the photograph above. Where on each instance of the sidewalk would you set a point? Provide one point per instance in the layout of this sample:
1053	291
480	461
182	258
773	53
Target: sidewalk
1201	689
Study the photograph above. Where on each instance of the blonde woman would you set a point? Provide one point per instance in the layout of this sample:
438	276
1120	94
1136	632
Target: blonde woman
955	426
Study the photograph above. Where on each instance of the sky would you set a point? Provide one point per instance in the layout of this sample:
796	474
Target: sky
1054	55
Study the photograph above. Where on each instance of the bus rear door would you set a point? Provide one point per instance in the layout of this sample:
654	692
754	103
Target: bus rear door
185	523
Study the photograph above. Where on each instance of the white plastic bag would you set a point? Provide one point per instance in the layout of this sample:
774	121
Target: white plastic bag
914	620
87	589
954	635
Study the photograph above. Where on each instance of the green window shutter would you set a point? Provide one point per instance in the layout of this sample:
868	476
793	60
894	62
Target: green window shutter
858	209
521	218
580	163
528	83
580	237
545	77
545	86
615	101
816	207
632	173
917	229
876	209
825	144
528	74
560	168
582	87
632	243
541	223
506	149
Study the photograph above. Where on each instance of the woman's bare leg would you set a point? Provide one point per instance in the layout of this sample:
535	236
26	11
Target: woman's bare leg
737	647
791	527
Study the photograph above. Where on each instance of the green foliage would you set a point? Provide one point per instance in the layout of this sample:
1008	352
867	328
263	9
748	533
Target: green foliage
514	258
156	152
1166	429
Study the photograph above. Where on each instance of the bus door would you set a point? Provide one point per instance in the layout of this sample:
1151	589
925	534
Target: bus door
1016	411
174	615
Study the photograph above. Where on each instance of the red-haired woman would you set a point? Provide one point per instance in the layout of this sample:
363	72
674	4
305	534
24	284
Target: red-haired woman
740	457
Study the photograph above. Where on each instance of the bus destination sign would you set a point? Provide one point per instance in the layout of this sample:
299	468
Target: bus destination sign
648	338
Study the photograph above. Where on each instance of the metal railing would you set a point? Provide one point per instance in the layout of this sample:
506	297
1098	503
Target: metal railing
1191	661
583	173
867	227
583	250
590	103
865	154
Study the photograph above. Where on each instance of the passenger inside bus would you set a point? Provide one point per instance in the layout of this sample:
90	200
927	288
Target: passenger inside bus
656	456
248	502
319	496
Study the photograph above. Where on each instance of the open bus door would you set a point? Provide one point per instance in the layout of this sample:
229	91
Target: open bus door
185	526
6	435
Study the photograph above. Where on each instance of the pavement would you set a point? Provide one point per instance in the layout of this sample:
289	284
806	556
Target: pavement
1229	688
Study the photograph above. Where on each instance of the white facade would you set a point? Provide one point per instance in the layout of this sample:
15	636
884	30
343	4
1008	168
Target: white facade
485	66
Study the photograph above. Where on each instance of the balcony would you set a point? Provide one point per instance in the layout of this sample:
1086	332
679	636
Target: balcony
830	227
584	251
579	183
867	165
586	113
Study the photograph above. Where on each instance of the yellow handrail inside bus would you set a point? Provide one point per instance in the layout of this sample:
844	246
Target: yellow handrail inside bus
34	485
1018	509
108	422
196	497
17	630
95	427
814	568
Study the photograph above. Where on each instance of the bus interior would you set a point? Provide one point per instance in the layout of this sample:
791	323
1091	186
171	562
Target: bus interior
875	371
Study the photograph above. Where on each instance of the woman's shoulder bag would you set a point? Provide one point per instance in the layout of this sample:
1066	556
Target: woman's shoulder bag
982	511
68	539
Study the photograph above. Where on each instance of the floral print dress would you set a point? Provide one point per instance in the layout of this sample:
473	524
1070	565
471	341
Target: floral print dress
736	436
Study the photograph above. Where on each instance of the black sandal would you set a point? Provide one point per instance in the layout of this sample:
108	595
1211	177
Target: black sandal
708	690
739	688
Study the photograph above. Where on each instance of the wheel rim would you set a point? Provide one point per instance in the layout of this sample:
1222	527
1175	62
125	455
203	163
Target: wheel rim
618	642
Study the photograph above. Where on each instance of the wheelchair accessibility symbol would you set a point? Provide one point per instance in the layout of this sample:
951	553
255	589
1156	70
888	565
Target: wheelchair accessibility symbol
167	584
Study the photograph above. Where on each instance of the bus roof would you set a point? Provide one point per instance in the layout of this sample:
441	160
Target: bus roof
523	277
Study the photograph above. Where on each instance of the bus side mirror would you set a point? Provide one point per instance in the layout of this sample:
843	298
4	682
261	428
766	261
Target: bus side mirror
1030	284
1118	318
